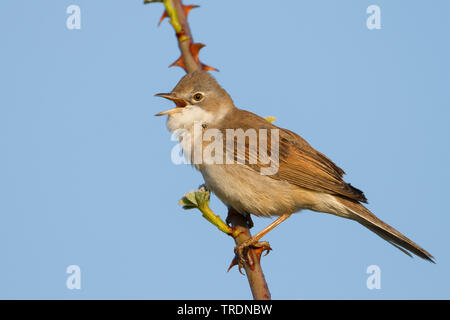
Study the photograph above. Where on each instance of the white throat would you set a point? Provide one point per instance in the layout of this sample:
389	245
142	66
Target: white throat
190	115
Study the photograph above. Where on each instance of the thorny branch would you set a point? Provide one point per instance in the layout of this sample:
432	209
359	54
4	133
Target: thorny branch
190	62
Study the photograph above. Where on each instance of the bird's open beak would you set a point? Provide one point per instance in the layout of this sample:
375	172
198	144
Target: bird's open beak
179	104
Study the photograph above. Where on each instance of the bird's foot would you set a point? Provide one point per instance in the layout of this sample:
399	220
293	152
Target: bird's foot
243	255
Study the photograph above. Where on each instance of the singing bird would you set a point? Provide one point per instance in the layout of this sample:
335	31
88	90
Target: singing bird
304	179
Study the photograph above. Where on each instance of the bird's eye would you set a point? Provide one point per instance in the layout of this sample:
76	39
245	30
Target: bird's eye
198	96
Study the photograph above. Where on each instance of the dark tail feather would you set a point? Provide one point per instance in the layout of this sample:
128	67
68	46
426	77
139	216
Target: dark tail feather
385	231
399	241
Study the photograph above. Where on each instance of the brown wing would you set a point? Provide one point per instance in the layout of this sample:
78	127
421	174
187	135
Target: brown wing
303	166
299	163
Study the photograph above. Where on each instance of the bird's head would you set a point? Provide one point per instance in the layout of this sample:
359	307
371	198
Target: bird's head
197	97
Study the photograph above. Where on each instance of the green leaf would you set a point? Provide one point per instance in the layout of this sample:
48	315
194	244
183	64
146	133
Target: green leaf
196	199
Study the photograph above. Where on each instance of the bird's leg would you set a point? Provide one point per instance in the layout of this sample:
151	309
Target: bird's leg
241	251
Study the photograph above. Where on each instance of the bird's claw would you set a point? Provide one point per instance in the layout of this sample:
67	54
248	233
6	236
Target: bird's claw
243	255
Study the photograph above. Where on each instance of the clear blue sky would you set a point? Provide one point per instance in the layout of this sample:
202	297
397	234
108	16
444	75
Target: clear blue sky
85	171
